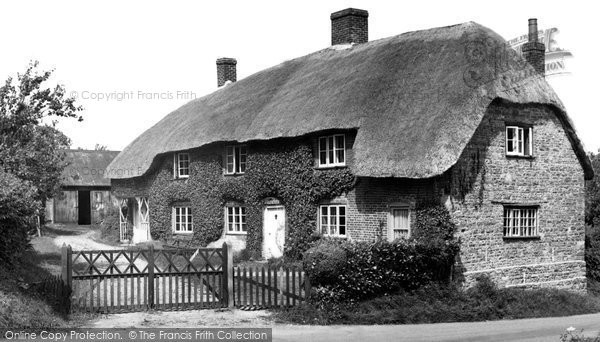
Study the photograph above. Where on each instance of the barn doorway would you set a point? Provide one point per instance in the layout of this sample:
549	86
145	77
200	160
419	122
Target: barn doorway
84	206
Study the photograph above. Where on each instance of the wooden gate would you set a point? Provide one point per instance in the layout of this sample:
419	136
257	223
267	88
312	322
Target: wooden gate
136	280
265	287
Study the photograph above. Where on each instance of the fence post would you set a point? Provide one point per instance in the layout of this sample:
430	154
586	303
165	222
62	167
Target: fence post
67	264
307	286
227	274
151	277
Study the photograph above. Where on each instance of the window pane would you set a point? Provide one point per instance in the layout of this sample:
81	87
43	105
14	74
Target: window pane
339	156
339	141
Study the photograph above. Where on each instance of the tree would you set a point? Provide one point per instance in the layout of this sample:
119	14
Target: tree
31	152
30	148
100	147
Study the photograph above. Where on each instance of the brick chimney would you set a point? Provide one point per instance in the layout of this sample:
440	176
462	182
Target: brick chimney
350	25
226	70
534	51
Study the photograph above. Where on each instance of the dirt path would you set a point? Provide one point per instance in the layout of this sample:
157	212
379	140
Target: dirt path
184	319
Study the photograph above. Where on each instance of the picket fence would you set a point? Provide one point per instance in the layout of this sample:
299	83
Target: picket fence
110	281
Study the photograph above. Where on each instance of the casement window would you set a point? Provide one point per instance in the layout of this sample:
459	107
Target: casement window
399	223
332	219
519	141
181	165
520	221
332	150
235	219
182	220
235	159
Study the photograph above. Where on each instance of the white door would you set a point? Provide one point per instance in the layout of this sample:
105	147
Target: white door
141	222
273	232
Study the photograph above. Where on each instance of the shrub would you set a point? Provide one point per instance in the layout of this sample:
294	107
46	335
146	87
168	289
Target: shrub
110	226
433	222
324	262
371	269
592	252
17	205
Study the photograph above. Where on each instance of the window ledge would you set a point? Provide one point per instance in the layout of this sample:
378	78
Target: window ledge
335	236
233	174
181	178
237	233
327	167
515	156
536	237
183	233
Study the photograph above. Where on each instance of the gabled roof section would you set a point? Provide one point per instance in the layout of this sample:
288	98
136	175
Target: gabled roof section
416	99
87	167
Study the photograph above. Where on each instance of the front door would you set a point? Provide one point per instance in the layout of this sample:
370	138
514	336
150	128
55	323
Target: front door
141	221
273	231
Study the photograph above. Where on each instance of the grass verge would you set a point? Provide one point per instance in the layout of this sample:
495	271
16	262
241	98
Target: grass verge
438	303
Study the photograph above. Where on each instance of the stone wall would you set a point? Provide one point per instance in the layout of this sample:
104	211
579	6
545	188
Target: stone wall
485	180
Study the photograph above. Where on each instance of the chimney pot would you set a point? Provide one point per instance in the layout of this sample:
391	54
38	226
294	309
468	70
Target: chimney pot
534	52
226	70
348	26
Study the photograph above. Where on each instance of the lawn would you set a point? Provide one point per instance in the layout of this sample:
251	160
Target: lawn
438	303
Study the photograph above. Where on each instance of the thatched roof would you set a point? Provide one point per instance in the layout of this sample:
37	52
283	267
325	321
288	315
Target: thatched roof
416	100
87	167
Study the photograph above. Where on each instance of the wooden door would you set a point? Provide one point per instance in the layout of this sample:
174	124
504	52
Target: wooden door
274	231
65	207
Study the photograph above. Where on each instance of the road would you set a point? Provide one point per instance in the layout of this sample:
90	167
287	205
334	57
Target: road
529	330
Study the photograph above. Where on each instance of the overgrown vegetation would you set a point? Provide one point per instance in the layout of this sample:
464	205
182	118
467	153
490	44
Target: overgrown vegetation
592	231
284	172
439	302
349	271
31	160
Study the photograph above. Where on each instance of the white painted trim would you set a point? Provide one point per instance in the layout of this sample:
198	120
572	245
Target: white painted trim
390	225
329	163
329	205
173	220
235	161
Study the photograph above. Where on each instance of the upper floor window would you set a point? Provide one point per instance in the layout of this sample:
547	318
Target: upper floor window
235	219
182	219
235	159
332	150
519	141
333	220
399	223
520	221
181	165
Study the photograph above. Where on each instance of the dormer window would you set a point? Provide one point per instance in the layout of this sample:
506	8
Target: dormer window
519	141
332	150
235	159
181	165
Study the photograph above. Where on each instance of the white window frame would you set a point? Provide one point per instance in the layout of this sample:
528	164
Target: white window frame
178	168
519	141
236	217
331	151
520	222
391	222
184	212
238	161
328	219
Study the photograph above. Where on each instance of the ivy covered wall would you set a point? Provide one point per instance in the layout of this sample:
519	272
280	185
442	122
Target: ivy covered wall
282	169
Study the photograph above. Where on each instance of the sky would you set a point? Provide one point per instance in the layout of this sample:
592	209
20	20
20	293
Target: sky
130	63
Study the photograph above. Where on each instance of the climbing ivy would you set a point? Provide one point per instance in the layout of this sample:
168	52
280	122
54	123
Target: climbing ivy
283	170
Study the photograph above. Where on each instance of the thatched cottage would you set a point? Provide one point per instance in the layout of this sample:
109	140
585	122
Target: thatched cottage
348	140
